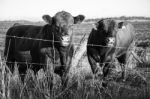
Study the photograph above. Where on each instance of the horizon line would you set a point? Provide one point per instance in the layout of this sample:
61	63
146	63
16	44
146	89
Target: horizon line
39	20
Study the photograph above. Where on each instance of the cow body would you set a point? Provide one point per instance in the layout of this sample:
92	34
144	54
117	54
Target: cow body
34	45
109	41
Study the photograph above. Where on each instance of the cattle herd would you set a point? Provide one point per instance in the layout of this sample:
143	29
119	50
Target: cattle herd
33	46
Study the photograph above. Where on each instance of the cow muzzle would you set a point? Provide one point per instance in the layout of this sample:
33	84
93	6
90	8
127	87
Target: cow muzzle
65	40
111	41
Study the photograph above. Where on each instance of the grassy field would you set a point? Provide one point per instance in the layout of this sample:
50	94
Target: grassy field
81	83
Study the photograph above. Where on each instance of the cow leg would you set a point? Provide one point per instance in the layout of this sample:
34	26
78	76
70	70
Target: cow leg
69	56
62	70
106	69
97	68
22	64
122	61
66	54
9	54
95	62
107	64
10	62
36	62
63	60
22	68
36	66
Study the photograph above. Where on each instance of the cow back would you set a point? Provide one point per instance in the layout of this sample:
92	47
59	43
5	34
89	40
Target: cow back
23	36
124	38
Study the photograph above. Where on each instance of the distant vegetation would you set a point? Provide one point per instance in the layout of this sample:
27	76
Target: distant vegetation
9	23
121	18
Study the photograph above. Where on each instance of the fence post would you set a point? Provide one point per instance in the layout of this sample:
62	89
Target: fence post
78	55
3	78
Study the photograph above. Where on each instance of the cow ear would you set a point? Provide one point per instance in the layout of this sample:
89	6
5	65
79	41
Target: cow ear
95	25
47	19
79	19
120	24
99	24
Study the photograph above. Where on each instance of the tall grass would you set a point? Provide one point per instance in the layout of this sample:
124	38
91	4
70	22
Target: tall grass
81	84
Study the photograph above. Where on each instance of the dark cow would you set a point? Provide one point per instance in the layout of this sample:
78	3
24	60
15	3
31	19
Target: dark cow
110	40
36	44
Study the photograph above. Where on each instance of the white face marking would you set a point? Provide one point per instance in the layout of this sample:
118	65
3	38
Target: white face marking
111	41
65	40
123	27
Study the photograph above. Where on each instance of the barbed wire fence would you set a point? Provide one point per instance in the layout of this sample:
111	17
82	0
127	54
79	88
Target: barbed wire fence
74	63
60	41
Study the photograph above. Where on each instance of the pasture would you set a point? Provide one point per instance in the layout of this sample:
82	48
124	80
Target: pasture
81	83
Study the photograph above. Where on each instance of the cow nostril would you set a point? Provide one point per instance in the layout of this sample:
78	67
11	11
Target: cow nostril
107	40
66	38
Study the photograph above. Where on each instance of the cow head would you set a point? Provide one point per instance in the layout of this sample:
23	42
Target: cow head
108	28
62	23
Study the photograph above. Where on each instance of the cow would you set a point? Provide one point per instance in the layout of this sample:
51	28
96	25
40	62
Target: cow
34	45
109	42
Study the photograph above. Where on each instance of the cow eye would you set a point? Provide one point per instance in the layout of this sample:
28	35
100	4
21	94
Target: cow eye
58	29
107	39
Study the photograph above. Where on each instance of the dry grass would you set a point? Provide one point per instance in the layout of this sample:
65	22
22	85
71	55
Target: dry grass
82	85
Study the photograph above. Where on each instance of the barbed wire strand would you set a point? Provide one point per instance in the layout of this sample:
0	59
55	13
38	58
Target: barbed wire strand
60	41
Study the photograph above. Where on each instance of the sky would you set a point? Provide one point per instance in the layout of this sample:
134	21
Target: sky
34	9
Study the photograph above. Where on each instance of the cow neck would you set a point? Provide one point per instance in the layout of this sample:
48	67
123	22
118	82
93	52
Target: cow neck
48	32
43	33
101	38
55	32
49	37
